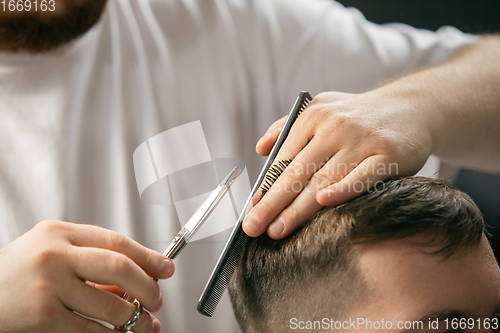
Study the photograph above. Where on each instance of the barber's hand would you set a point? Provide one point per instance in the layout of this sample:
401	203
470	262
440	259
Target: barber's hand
341	145
45	274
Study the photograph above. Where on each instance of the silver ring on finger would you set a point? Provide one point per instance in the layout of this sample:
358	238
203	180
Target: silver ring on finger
133	320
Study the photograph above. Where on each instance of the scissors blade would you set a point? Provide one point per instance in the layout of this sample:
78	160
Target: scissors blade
201	214
210	203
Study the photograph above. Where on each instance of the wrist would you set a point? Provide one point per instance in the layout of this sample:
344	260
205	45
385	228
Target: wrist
420	107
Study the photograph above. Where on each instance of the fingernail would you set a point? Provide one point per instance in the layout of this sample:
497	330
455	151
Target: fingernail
277	227
252	223
168	268
156	326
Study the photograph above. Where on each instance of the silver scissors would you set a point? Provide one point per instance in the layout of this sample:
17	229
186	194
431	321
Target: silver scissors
200	215
186	233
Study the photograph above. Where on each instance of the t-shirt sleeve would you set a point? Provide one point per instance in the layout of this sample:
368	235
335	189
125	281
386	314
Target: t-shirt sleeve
320	45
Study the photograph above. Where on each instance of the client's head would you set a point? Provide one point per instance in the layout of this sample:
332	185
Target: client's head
411	249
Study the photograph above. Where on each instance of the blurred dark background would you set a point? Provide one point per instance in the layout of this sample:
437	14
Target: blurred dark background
473	16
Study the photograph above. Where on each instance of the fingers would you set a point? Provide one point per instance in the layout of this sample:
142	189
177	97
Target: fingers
287	187
281	194
265	144
305	204
304	154
366	175
153	263
146	323
99	304
344	181
112	268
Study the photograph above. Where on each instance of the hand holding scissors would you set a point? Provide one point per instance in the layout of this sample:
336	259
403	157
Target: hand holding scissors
185	235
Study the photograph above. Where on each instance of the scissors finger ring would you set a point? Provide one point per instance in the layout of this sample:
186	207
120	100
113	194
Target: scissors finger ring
133	320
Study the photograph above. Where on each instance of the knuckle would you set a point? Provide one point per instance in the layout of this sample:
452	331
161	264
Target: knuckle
322	180
296	171
122	264
46	257
49	225
149	258
343	122
265	207
315	115
117	240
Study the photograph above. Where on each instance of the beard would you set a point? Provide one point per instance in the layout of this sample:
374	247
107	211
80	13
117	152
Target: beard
40	32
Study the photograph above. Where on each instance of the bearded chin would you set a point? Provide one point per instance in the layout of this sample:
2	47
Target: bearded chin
43	33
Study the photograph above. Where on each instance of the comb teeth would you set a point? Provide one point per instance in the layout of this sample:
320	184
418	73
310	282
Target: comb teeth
304	105
210	304
273	174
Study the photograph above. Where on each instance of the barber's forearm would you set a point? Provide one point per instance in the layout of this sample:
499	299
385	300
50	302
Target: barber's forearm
451	110
460	101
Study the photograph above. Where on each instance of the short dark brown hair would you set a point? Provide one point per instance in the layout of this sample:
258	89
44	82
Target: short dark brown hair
276	278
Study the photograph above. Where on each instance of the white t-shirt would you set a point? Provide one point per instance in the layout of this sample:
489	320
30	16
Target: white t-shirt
70	120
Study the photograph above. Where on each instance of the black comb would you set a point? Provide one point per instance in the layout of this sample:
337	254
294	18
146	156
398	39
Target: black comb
235	246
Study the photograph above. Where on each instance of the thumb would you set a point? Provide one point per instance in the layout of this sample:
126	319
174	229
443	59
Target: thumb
266	143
